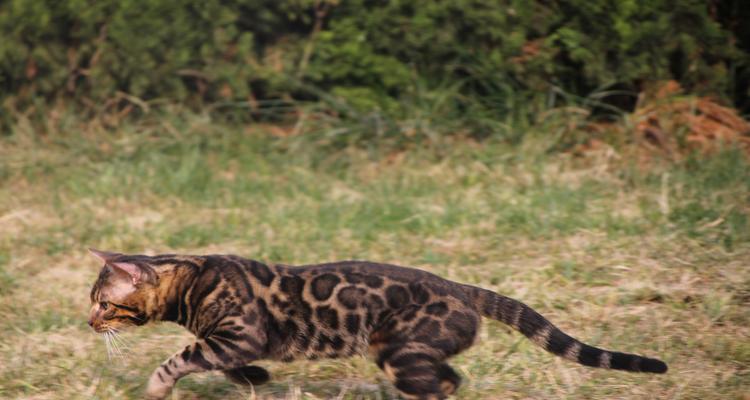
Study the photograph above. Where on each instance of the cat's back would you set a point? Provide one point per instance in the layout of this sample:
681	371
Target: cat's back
374	277
323	276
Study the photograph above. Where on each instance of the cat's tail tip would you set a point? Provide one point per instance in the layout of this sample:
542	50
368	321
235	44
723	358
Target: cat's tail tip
653	365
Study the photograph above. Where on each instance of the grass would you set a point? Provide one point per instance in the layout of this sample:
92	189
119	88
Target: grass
653	262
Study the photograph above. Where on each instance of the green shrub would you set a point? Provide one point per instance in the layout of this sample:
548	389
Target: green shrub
267	54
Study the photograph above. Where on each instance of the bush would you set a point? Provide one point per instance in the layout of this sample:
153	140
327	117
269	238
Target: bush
368	54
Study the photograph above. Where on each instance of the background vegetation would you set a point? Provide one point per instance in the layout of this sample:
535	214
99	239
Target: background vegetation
255	59
586	157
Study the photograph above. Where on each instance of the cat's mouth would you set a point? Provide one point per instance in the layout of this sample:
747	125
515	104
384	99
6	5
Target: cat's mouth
106	328
101	329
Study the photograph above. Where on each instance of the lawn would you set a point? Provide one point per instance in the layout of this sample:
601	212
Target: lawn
652	259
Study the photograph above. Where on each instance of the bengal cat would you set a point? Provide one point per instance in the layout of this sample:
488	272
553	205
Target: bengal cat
410	321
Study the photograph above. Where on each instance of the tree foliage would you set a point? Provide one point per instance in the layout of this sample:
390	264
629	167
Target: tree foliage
369	53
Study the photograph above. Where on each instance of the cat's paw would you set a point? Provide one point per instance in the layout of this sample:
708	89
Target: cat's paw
247	375
157	393
157	389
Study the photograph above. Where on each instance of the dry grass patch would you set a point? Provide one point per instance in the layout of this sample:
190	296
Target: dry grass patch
587	244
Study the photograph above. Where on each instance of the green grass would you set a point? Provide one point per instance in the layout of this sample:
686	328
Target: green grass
653	262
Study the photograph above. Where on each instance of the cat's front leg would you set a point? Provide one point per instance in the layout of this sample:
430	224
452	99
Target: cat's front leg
212	353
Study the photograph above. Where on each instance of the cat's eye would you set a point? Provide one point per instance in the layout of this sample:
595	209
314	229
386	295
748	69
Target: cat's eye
103	305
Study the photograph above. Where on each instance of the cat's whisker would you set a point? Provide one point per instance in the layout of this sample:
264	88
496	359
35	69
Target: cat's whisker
126	343
117	351
112	344
120	352
106	342
123	340
122	346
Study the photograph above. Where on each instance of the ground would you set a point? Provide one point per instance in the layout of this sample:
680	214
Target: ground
651	261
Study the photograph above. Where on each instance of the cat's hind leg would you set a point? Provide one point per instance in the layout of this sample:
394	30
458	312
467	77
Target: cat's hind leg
248	375
413	369
449	379
411	349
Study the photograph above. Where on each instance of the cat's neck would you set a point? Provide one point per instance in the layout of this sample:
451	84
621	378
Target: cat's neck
168	302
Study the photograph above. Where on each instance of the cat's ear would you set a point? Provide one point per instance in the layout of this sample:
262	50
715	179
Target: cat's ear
136	273
104	256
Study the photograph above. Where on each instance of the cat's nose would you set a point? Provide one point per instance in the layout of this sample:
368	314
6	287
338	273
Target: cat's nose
91	323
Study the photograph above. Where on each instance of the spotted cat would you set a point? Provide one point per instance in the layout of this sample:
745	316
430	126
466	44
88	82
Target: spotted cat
410	321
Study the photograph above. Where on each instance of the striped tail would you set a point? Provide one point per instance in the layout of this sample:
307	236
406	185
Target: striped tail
542	332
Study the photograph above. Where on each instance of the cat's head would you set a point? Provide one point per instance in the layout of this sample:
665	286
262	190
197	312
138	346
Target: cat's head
122	293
